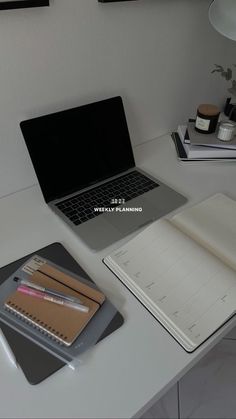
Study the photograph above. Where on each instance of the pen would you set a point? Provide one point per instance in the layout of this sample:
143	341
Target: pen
47	297
8	349
47	290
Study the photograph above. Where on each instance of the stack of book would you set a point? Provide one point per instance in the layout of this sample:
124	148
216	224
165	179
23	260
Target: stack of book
193	146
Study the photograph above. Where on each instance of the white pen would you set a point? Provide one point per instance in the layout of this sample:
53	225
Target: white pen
47	297
7	349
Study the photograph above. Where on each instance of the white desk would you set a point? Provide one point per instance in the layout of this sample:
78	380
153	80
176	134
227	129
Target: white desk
130	370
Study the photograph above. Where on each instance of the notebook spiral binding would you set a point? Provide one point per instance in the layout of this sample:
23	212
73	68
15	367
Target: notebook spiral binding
36	323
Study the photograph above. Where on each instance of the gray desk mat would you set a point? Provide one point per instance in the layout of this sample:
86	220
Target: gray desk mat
36	363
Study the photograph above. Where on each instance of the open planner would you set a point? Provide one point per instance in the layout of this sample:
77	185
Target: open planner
184	269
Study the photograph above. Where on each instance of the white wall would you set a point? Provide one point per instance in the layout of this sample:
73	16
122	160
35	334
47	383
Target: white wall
156	53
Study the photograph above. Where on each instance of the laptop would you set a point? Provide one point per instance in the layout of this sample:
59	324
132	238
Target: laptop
85	166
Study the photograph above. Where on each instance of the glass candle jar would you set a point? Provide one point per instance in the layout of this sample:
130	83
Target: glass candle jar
226	131
207	118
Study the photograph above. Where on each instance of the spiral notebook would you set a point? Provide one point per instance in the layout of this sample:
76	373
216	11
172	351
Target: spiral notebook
37	363
64	324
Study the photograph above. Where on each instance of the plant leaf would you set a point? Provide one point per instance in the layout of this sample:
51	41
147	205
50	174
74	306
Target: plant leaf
220	67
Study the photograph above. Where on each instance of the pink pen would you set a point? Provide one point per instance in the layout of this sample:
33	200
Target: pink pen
44	296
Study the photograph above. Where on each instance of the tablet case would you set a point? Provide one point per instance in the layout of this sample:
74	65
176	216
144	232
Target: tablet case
36	363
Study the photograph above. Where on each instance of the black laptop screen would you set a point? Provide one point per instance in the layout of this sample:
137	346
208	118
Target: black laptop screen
76	148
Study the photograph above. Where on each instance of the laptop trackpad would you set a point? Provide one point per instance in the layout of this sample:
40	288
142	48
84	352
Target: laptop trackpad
126	222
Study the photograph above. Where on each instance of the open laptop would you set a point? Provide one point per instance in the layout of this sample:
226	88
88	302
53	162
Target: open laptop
85	167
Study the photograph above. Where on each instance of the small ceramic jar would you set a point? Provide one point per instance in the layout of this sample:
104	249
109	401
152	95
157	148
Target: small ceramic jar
226	131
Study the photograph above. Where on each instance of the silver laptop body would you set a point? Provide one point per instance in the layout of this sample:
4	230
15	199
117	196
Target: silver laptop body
74	153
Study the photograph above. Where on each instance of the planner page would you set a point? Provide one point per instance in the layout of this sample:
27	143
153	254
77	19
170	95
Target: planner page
190	291
213	224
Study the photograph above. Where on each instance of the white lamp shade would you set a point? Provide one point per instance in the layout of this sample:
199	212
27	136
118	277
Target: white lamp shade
222	15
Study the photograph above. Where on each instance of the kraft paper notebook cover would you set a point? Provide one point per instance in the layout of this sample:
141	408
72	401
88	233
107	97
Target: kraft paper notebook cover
183	269
87	337
61	323
36	363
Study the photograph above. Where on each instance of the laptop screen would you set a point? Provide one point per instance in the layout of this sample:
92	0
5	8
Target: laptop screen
76	148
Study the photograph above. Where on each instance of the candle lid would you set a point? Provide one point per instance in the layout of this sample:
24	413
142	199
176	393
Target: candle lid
227	125
209	110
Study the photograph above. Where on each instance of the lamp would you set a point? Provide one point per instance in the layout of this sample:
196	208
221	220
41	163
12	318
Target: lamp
222	15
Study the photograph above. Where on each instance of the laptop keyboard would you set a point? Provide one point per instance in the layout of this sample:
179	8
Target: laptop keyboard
80	208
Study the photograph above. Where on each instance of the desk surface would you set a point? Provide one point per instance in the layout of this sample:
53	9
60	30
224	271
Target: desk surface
127	372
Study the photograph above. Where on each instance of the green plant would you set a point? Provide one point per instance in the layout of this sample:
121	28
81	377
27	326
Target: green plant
228	76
